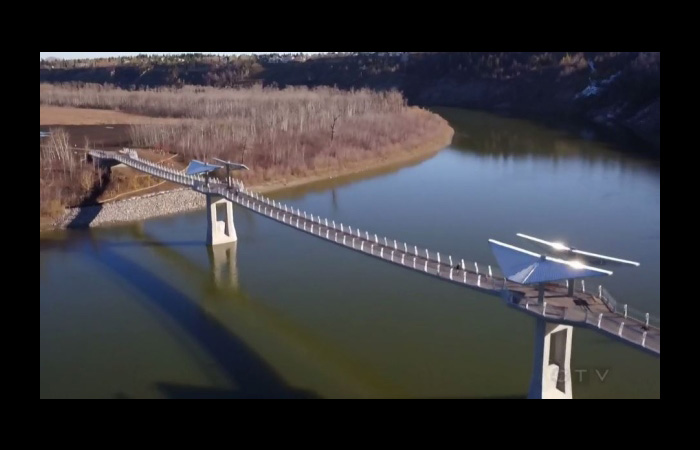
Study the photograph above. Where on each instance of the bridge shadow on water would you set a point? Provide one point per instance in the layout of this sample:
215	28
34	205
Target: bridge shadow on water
242	366
145	243
253	377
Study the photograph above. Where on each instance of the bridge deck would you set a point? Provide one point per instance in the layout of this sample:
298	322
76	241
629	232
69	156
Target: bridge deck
583	309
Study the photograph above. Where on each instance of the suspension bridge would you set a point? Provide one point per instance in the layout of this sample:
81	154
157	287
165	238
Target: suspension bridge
557	306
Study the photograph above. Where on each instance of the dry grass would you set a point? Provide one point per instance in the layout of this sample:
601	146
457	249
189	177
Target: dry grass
195	102
125	180
65	178
272	153
286	134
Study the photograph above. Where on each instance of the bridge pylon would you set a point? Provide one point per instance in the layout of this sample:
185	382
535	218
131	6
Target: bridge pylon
219	231
223	265
551	373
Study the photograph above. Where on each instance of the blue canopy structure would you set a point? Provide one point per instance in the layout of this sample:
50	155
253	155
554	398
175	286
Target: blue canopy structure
526	267
232	165
197	167
592	258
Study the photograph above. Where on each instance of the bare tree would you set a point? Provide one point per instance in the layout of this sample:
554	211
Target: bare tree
335	120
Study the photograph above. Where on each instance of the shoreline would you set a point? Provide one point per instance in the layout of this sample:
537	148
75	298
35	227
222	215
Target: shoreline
176	201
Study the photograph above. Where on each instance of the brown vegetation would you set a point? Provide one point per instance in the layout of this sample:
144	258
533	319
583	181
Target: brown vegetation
543	83
279	134
209	103
65	177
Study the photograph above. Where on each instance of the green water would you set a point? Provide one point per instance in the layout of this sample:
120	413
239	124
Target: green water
147	310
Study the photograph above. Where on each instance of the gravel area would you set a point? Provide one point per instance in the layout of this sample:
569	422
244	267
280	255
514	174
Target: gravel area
137	208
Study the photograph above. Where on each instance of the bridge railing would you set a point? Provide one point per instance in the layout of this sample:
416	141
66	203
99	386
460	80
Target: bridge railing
382	242
580	286
625	328
483	275
628	311
624	309
159	169
547	310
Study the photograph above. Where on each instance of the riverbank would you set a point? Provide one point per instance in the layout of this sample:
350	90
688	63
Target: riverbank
179	200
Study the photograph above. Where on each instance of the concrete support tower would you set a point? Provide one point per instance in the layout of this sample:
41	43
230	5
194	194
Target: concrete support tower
551	373
219	231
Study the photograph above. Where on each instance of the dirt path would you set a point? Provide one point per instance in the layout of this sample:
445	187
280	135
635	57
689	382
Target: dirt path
59	115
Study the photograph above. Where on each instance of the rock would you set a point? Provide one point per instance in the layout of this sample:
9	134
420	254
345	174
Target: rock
134	209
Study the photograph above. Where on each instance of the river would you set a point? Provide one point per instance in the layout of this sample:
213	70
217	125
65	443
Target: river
148	310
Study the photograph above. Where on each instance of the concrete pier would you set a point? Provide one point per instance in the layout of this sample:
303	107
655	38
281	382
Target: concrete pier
551	373
220	231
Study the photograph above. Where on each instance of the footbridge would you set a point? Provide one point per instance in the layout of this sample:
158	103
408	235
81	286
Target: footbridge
557	307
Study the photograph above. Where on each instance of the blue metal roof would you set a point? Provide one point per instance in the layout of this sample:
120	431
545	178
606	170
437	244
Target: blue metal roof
526	267
197	167
232	165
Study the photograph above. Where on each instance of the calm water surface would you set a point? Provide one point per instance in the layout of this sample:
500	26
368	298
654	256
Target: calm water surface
147	310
